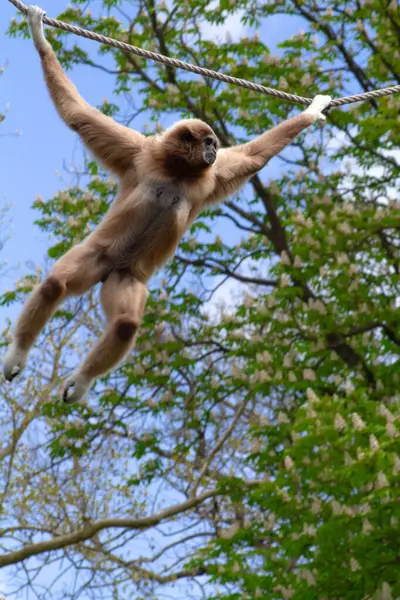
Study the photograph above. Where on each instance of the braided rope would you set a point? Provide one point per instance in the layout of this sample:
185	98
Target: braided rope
178	64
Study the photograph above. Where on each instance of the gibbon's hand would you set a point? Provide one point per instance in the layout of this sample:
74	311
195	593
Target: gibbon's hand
35	21
317	106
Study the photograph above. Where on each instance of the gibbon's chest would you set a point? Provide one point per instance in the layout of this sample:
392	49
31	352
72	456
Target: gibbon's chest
173	192
158	196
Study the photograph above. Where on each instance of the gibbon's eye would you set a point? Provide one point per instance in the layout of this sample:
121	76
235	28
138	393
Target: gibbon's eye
187	137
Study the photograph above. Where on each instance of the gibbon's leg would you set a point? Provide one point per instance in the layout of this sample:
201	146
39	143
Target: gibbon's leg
123	299
76	272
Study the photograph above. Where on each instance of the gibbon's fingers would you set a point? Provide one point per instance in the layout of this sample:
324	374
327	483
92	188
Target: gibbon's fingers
316	107
123	299
35	21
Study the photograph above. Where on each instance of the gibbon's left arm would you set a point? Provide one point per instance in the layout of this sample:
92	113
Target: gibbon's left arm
113	144
234	166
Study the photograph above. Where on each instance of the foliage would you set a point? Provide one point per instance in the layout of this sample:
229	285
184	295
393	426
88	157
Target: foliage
249	450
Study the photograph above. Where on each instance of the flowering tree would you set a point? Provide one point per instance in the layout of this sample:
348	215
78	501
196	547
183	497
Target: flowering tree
248	449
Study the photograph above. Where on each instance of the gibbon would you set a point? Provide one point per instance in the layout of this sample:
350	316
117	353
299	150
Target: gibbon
165	181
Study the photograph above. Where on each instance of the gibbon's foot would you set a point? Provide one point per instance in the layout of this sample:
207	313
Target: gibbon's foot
76	387
317	106
14	361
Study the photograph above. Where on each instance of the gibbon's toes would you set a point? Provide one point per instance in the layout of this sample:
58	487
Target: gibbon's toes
76	387
14	362
10	375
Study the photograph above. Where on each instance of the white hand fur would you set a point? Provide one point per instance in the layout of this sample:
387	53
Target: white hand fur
317	106
35	20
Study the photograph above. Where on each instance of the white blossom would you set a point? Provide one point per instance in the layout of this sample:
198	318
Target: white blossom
289	464
282	317
396	466
285	280
282	418
344	228
310	530
271	301
391	430
309	375
299	218
236	567
386	593
306	80
282	83
381	481
385	412
353	269
367	527
358	423
248	300
347	459
236	371
342	258
373	443
360	454
311	414
316	506
297	262
287	361
265	357
354	564
340	423
348	388
270	522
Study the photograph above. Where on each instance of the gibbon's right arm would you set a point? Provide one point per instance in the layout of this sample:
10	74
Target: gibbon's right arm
113	144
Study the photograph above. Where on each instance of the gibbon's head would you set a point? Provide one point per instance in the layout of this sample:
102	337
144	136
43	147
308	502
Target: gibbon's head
189	147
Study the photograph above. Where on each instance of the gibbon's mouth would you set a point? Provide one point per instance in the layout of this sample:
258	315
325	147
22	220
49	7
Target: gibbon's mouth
210	156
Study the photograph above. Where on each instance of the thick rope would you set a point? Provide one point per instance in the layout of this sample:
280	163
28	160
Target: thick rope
178	64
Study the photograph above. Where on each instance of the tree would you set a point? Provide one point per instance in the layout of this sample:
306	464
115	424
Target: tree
248	451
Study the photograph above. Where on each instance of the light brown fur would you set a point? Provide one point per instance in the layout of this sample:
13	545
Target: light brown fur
165	181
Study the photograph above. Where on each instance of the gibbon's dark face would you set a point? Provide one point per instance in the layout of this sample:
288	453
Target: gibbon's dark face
191	147
201	145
